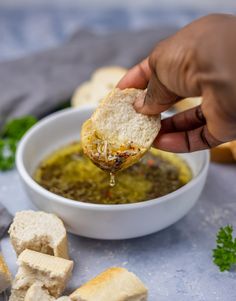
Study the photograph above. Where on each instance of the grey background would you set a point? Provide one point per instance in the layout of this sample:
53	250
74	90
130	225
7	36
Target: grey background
176	263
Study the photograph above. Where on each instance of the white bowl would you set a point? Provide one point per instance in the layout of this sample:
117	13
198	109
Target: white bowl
93	220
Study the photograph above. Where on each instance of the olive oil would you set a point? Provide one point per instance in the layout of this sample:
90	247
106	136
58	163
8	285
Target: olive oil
69	173
112	179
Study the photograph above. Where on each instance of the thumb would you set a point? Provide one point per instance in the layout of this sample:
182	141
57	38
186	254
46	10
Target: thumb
158	98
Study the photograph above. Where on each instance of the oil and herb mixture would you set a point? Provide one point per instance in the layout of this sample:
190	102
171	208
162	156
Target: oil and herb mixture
69	173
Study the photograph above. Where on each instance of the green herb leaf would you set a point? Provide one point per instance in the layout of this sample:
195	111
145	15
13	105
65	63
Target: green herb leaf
225	253
10	135
16	128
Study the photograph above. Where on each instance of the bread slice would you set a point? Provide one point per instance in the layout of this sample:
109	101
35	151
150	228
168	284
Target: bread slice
114	284
5	275
39	231
116	136
224	153
103	80
53	272
38	293
18	295
187	103
64	298
233	149
108	76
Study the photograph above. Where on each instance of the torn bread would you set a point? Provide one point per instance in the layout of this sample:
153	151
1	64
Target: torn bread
103	80
38	293
5	275
39	231
53	272
114	284
18	295
116	136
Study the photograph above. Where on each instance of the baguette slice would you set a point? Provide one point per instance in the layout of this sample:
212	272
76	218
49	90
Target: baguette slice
37	293
108	75
116	136
233	149
114	284
103	80
224	153
5	275
39	231
187	103
53	272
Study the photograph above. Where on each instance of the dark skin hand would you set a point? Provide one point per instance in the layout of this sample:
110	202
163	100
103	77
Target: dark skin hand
199	60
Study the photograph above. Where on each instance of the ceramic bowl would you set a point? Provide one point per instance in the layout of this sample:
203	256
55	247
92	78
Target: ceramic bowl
93	220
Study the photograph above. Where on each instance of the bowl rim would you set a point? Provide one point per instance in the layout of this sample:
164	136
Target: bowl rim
28	180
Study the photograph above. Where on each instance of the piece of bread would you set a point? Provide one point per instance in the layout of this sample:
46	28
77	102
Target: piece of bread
224	153
187	103
39	231
18	294
233	149
53	272
108	76
38	293
103	80
5	275
114	284
116	136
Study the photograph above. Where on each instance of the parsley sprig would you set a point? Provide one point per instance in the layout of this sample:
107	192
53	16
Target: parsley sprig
10	135
225	253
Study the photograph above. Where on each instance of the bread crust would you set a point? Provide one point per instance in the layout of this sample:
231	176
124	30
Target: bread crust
116	136
224	153
39	231
187	103
114	284
5	275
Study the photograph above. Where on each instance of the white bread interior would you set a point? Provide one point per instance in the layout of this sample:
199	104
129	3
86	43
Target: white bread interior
103	80
39	231
5	275
38	293
114	284
116	136
53	272
18	294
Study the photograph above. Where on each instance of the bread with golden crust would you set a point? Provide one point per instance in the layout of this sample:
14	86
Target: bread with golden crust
5	275
114	284
116	136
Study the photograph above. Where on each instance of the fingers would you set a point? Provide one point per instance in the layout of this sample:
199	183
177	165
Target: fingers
186	120
157	100
137	77
186	141
185	132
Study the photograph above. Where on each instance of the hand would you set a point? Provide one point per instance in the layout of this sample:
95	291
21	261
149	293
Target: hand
199	60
